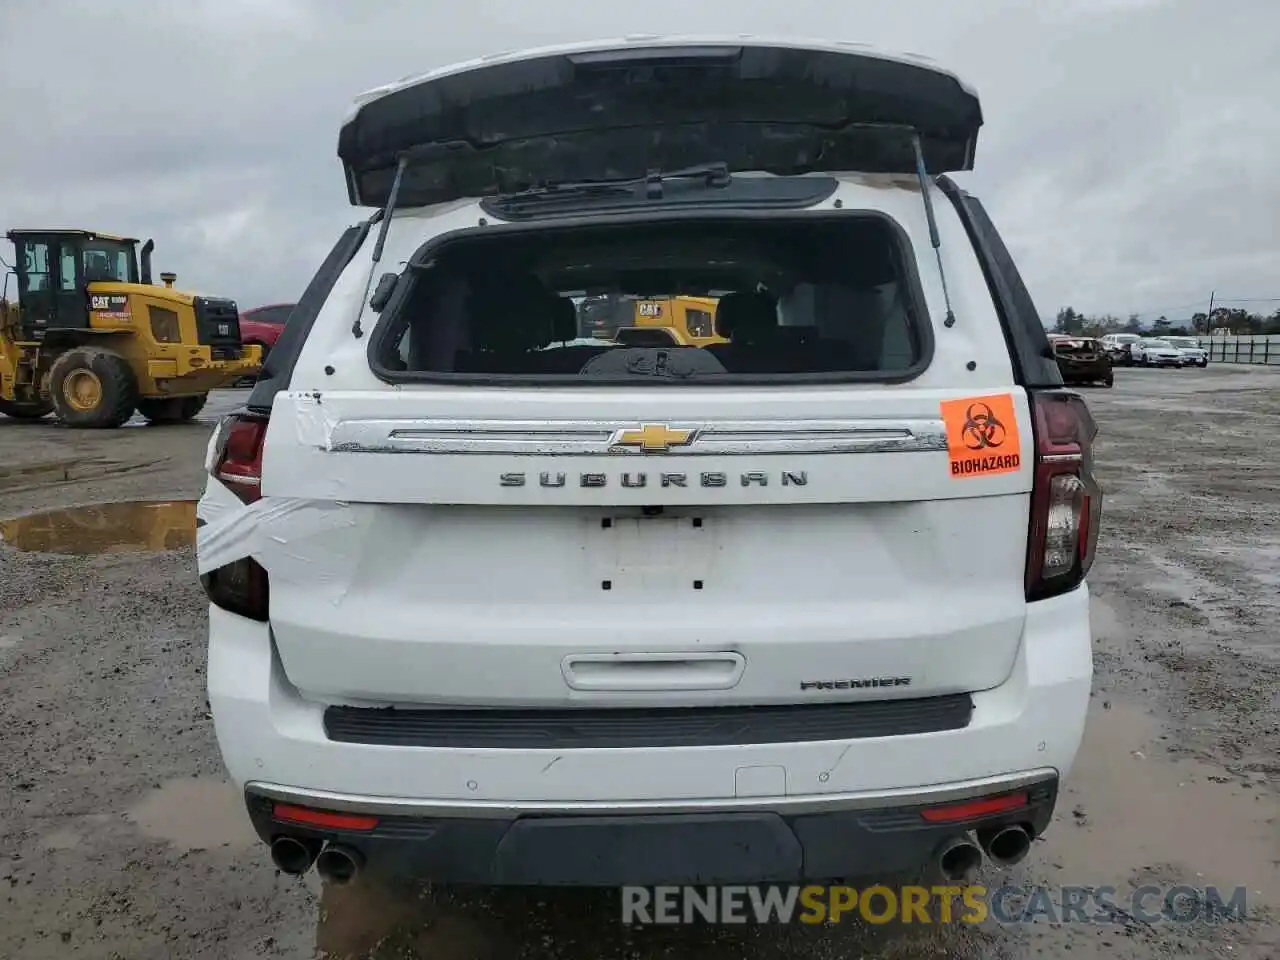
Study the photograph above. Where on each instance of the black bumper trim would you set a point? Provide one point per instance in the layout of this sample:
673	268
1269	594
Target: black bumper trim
561	729
606	850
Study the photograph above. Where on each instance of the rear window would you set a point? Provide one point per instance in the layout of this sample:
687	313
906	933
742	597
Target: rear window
811	298
1075	346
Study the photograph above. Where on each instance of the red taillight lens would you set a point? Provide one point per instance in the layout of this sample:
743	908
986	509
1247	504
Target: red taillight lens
239	456
240	587
1066	502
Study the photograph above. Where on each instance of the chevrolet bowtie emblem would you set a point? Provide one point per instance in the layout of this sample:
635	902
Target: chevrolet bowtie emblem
652	438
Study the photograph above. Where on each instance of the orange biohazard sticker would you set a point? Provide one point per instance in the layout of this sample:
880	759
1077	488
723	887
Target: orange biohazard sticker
982	436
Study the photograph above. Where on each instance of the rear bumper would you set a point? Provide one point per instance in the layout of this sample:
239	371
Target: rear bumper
845	838
1085	372
821	794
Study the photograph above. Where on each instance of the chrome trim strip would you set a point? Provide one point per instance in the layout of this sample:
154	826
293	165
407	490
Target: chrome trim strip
491	809
592	437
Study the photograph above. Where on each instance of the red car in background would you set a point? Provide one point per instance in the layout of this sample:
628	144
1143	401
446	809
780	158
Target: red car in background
262	325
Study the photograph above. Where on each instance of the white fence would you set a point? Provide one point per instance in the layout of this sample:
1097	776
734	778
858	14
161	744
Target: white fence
1257	349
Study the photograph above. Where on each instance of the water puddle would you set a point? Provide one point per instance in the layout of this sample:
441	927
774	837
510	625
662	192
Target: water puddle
1129	814
131	527
195	814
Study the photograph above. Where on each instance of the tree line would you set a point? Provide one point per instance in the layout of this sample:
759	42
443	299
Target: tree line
1234	319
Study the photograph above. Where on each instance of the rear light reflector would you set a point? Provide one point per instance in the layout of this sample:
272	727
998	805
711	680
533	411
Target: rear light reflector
1066	501
324	819
974	809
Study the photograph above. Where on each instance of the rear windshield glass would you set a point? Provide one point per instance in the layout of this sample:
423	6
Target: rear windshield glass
700	300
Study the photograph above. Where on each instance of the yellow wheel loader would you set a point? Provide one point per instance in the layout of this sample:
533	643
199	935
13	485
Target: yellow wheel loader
91	339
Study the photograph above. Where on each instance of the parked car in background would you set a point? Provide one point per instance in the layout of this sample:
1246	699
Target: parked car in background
1118	346
1155	352
262	325
1193	355
1082	360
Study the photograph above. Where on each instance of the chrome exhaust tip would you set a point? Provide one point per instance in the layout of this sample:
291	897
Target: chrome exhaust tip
339	865
1005	846
959	860
293	856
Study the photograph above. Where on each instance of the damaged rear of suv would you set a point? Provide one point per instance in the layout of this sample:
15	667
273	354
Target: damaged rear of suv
492	602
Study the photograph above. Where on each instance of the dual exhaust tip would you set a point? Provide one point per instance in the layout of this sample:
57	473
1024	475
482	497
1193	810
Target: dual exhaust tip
335	863
961	858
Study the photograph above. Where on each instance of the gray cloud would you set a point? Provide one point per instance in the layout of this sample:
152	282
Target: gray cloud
1128	154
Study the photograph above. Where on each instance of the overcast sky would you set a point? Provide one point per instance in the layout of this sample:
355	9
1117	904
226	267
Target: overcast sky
1130	154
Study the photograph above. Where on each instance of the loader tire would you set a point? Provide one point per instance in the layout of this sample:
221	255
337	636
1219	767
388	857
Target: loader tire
26	409
93	389
171	409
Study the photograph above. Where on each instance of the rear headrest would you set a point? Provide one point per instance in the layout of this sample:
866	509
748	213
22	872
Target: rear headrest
510	313
564	319
745	313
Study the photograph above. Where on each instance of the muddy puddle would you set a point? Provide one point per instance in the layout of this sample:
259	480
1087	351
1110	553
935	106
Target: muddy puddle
195	814
1130	814
132	527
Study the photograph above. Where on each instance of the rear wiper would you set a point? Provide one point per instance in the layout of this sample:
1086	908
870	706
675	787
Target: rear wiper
714	174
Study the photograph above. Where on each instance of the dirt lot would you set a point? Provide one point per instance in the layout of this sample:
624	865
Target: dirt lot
118	838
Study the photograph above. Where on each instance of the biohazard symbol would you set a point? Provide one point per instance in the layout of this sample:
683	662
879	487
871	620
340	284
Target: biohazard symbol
982	429
982	436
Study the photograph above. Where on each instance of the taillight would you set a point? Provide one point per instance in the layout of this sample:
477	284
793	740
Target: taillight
238	458
240	587
1066	501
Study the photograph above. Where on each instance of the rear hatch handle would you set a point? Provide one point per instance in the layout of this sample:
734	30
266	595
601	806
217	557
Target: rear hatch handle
636	672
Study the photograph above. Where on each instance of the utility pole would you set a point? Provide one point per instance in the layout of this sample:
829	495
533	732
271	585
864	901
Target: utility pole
1208	317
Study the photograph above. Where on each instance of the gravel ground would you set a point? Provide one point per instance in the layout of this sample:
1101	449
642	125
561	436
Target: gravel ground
119	838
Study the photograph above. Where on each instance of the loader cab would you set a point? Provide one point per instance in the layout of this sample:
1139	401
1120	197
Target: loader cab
54	269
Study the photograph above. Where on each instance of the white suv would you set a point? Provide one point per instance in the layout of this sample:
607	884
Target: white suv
493	604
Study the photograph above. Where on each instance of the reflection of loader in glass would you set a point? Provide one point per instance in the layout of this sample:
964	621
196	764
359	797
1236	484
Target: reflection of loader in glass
92	339
105	528
691	320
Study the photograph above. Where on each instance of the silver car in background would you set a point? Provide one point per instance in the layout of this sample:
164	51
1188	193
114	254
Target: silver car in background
1193	355
1155	352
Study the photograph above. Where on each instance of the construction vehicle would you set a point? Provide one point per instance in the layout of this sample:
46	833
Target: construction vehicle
93	340
691	319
